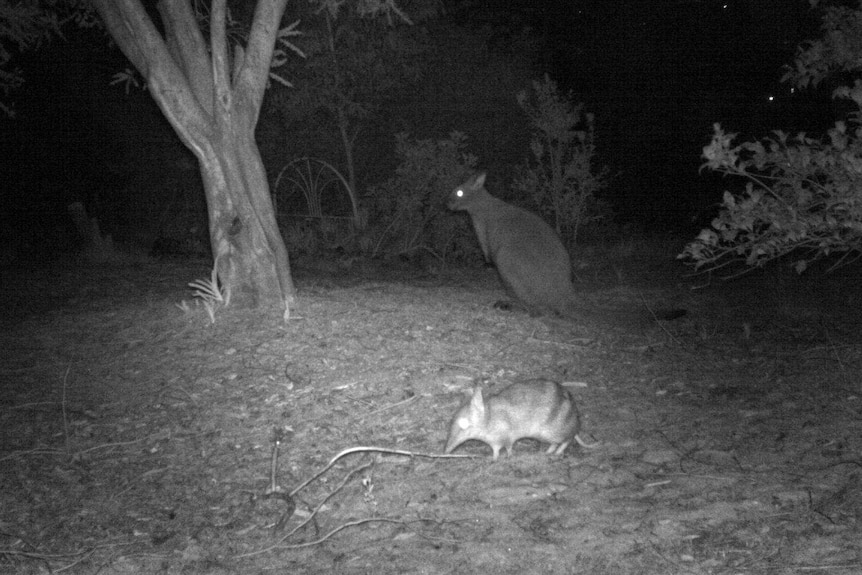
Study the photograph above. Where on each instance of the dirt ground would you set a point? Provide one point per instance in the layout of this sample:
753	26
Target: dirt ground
139	438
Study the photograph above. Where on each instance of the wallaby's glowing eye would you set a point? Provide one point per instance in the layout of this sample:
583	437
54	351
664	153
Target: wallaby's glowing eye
459	193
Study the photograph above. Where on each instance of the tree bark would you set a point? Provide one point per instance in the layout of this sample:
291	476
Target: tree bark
213	102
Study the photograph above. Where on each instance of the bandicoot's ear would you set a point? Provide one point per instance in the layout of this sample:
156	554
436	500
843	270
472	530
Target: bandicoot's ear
479	180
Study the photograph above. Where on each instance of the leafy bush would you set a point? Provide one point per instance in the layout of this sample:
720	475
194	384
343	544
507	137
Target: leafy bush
803	195
409	210
561	177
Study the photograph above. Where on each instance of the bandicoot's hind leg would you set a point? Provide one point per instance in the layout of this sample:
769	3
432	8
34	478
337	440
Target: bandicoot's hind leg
556	449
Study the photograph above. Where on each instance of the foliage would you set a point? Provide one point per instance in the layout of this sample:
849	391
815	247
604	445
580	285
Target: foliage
838	50
561	176
26	25
237	33
803	194
212	295
407	208
351	66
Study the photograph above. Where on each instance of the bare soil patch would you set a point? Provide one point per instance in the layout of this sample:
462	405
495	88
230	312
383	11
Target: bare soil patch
138	439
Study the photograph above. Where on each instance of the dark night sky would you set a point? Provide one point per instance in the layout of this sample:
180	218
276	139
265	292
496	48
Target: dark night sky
656	73
659	73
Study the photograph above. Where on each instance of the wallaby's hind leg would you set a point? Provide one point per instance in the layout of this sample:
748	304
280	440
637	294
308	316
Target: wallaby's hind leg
542	285
521	280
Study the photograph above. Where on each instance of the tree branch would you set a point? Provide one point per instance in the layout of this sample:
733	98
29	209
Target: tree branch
187	45
125	20
131	27
252	77
220	58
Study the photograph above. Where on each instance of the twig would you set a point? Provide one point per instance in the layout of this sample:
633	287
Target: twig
66	434
45	556
834	353
345	526
81	559
658	321
360	449
505	348
391	406
341	527
80	555
364	449
30	405
114	444
580	342
828	567
313	513
57	451
327	498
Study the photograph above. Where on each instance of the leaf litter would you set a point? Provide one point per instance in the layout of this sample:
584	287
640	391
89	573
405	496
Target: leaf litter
139	438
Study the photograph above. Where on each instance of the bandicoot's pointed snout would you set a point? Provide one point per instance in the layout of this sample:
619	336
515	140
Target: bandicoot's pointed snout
536	409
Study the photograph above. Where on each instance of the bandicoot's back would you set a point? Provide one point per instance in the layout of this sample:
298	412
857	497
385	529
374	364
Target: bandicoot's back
530	258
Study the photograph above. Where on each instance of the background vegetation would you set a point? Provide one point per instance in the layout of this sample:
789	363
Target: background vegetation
803	194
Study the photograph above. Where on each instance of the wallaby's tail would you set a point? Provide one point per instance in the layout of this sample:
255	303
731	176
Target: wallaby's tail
581	308
670	314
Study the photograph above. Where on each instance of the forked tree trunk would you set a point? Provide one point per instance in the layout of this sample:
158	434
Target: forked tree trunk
212	100
248	249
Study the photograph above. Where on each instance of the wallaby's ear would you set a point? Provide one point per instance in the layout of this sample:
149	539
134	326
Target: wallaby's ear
479	180
477	402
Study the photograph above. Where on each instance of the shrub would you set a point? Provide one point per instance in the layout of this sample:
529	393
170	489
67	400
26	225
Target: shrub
409	210
561	176
803	194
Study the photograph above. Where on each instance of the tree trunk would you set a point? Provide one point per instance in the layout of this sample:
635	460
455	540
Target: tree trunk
212	97
250	257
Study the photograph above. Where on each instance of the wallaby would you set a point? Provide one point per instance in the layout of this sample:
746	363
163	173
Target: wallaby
533	264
